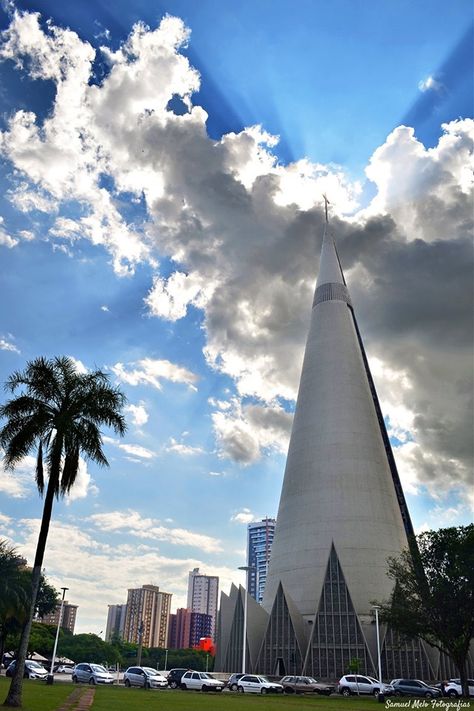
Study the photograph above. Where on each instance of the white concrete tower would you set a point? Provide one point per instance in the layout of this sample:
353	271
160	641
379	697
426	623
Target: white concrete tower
342	511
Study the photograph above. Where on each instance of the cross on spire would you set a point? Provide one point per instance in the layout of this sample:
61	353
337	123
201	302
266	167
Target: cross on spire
326	203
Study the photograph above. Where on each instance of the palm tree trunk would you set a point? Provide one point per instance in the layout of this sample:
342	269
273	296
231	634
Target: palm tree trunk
15	691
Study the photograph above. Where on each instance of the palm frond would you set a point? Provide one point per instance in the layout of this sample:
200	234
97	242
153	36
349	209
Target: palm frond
39	469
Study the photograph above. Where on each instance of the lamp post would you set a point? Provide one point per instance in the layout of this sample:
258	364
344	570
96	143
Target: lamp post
166	659
377	608
50	679
140	643
246	568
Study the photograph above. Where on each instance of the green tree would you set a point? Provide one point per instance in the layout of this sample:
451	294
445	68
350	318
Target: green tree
57	411
12	593
46	601
89	648
433	597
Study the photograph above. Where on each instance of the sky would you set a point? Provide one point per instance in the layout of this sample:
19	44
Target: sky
162	167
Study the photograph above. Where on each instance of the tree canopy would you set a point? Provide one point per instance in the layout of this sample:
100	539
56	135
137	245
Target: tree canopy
433	596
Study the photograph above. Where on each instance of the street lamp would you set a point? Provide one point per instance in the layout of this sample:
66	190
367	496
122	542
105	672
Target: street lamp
51	675
166	659
140	643
246	568
377	608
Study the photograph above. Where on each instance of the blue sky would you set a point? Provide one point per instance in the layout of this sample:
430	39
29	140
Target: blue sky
153	225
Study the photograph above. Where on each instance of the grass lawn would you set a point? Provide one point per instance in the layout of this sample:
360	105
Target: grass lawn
121	699
36	695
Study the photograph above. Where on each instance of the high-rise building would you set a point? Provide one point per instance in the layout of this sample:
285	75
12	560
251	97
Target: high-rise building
342	513
68	620
259	544
186	628
203	592
115	621
148	609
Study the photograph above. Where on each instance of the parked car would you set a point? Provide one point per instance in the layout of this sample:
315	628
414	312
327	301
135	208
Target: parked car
453	688
250	683
305	685
33	670
174	677
414	687
232	681
201	681
92	674
63	669
144	676
358	684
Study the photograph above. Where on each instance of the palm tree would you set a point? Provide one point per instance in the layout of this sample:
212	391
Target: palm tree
12	593
57	411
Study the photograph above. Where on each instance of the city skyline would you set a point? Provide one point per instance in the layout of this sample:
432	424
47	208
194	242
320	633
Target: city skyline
161	217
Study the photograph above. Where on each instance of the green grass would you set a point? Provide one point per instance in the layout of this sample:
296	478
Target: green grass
36	695
121	699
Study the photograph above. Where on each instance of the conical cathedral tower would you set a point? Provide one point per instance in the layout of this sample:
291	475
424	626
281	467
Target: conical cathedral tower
342	510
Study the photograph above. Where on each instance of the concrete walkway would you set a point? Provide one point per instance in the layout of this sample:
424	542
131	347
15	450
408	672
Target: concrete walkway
81	699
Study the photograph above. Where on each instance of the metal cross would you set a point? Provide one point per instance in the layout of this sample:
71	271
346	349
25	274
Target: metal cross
326	203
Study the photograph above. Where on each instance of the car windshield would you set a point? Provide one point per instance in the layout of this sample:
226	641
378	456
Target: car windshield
98	668
310	680
263	679
35	665
205	675
150	671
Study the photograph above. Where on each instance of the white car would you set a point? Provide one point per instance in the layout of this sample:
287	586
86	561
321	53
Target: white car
453	688
33	670
201	681
146	677
252	684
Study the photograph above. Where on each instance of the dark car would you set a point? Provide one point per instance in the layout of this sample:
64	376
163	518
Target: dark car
305	685
414	687
232	681
174	677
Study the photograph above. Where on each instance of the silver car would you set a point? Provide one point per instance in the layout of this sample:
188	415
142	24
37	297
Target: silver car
92	674
144	676
360	684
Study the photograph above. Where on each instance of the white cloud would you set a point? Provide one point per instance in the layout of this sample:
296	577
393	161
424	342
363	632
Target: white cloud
104	308
79	365
5	239
7	345
244	516
170	298
83	486
18	483
244	432
151	372
241	230
137	451
182	449
430	84
100	573
138	414
134	524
